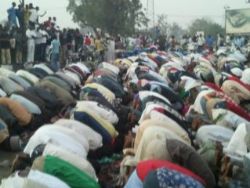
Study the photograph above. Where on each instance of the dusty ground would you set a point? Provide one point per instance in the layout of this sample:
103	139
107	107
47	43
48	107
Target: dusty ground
6	159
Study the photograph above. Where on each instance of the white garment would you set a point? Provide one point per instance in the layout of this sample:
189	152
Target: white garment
6	72
33	15
44	67
46	179
144	94
74	76
197	103
237	145
110	67
213	133
154	134
82	67
19	182
31	34
28	76
54	135
39	37
44	36
102	111
71	158
246	76
146	114
111	51
2	93
228	118
170	125
94	138
190	83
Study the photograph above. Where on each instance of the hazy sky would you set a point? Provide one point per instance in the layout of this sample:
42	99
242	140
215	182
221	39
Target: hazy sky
180	11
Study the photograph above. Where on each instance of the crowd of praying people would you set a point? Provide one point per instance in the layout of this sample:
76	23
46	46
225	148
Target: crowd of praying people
174	114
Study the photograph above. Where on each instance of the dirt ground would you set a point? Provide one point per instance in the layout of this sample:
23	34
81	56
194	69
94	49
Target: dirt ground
6	159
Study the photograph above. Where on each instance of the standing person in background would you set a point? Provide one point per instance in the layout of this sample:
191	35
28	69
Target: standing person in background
38	42
200	42
172	43
43	44
12	15
19	46
20	15
54	22
33	15
78	40
31	35
26	16
210	42
99	45
47	23
39	15
55	53
5	46
64	45
13	46
87	40
111	50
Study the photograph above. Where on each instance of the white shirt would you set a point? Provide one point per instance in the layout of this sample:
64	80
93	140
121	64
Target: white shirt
54	135
103	112
39	37
44	36
94	138
31	34
33	15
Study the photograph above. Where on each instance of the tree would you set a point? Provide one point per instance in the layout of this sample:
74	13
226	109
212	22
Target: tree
162	24
206	25
112	16
176	30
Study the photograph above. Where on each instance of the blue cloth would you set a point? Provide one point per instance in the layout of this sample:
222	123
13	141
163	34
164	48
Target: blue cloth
134	181
55	65
210	41
55	46
165	178
92	123
12	16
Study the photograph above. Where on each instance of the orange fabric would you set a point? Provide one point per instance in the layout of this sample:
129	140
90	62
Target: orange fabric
22	115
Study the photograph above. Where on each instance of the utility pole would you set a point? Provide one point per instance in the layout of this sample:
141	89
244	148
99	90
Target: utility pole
151	11
153	6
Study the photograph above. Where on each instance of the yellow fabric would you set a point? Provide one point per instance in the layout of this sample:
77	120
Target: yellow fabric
109	95
105	124
99	45
164	124
236	91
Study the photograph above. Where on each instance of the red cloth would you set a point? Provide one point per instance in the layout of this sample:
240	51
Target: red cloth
213	86
239	82
144	167
231	105
87	41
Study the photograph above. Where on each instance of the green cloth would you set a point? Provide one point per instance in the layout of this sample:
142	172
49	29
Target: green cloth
68	173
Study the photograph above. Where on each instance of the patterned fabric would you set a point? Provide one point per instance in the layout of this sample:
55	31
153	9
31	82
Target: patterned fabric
171	178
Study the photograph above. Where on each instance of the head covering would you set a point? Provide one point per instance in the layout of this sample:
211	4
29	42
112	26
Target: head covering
163	178
187	157
190	83
144	167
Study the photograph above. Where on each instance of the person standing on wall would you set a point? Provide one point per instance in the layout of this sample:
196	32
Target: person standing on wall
55	46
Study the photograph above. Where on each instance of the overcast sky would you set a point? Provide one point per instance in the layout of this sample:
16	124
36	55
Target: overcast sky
180	11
